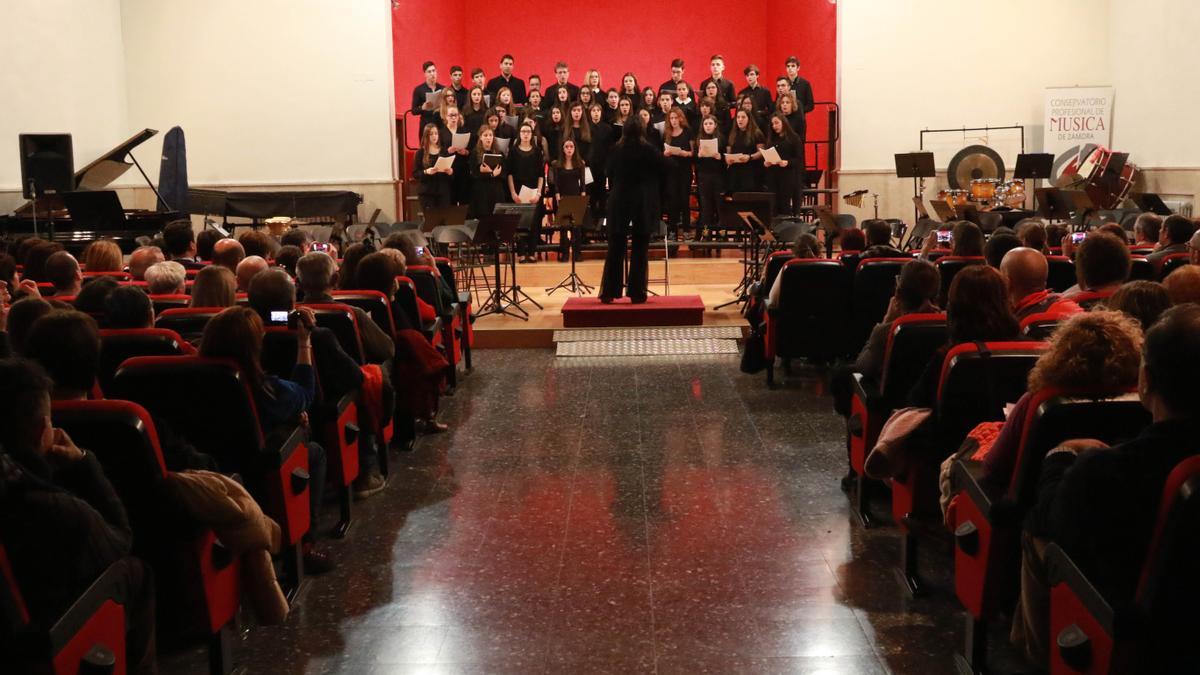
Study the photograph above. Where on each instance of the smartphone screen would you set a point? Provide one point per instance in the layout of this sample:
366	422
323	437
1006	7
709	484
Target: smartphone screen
1078	237
280	317
318	246
943	237
420	250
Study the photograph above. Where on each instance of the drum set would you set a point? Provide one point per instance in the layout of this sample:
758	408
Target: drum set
987	194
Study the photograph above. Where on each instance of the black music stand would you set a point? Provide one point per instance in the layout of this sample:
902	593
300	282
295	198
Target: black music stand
442	216
1034	166
499	230
752	262
1052	204
915	165
572	210
526	213
1149	201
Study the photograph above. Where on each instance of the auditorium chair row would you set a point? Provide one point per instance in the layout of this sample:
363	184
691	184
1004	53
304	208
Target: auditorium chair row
976	382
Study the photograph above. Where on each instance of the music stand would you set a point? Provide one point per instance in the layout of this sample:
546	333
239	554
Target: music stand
497	230
95	211
915	165
751	263
572	210
1052	204
526	213
1033	166
1149	201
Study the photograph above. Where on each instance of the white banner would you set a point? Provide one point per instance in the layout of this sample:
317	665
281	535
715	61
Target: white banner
1078	119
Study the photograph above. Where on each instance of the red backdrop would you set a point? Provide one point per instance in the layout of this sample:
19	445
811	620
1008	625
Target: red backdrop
643	38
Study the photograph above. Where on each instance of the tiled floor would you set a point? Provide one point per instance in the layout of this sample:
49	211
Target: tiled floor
662	515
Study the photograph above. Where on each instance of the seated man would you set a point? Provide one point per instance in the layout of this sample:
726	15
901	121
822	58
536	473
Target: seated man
1147	229
1100	504
1102	264
879	241
1025	271
179	243
916	289
228	253
141	260
60	519
167	278
998	245
62	270
315	274
128	307
296	237
1183	285
258	243
247	269
1177	230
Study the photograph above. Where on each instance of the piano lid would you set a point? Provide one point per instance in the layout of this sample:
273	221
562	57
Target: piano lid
112	164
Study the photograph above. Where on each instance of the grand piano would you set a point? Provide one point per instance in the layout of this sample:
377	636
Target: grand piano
55	221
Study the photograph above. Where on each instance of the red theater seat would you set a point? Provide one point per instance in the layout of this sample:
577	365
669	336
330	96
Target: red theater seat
116	345
951	265
812	315
873	288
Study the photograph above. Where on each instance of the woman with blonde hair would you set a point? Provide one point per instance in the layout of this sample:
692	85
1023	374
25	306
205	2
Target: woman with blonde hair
102	255
215	286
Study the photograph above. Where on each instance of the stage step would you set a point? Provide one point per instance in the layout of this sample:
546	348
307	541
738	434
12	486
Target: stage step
589	312
667	333
664	341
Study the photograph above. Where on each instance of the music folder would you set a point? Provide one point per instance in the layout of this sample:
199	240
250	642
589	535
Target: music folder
492	160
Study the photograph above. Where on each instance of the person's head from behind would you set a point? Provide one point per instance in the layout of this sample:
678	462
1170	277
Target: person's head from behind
918	285
257	242
272	291
853	240
1024	271
167	277
1143	301
1054	235
205	241
63	271
634	130
215	287
236	334
286	258
128	307
94	294
8	272
1032	234
806	246
25	427
1170	369
248	269
1115	230
103	255
1102	262
998	246
968	239
1183	285
879	232
179	241
295	237
228	253
315	274
1177	230
407	243
67	344
348	276
1091	352
141	260
978	307
35	260
378	272
1147	228
21	317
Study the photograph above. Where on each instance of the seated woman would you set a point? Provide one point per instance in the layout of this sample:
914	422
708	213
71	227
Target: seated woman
237	334
1144	301
103	255
215	287
416	362
415	248
805	246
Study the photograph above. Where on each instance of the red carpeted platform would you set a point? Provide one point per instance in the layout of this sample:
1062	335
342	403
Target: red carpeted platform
672	310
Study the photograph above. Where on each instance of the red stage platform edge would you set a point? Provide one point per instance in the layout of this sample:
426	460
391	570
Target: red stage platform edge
671	310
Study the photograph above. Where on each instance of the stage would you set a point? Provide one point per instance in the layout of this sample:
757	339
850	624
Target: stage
712	279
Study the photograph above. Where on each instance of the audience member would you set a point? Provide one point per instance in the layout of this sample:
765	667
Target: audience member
967	239
1194	246
35	260
1144	301
347	276
63	271
805	246
166	278
257	243
999	244
19	318
215	287
228	253
1177	230
879	241
1146	229
853	240
248	269
103	255
916	289
128	307
1183	284
61	521
205	241
315	274
1115	230
1032	234
1099	504
24	246
1025	271
286	259
1055	233
179	243
1101	265
141	260
92	296
296	237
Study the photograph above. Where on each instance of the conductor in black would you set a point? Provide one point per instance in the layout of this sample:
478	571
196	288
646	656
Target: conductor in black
634	172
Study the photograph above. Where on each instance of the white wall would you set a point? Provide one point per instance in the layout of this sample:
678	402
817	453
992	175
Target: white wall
907	66
62	72
267	92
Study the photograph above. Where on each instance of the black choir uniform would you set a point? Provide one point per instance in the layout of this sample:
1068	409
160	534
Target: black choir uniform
782	180
487	190
763	105
515	84
724	117
525	168
804	93
551	96
724	88
804	97
690	110
460	181
474	119
633	171
553	134
796	120
710	188
418	100
567	183
679	180
603	137
432	190
582	148
746	177
462	95
672	86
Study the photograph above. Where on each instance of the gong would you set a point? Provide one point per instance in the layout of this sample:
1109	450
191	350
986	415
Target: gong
974	162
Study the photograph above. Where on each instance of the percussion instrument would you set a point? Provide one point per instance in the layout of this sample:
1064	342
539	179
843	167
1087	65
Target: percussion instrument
983	190
1011	193
1107	177
971	163
957	199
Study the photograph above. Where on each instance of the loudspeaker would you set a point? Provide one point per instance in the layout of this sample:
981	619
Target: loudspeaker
47	164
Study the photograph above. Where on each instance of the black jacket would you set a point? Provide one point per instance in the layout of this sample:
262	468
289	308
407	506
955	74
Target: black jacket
634	172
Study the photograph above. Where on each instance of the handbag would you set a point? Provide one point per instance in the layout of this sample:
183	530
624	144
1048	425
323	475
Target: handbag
754	357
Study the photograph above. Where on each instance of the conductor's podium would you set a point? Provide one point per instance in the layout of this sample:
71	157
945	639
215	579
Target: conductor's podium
671	310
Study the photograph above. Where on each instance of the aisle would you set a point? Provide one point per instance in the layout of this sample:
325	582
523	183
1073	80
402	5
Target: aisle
659	514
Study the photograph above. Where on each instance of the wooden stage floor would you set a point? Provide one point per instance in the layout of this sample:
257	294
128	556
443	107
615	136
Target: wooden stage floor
713	279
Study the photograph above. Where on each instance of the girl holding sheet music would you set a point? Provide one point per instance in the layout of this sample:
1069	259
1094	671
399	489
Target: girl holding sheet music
476	110
781	174
742	156
789	107
488	180
433	183
566	173
579	129
552	131
678	146
710	174
460	183
526	173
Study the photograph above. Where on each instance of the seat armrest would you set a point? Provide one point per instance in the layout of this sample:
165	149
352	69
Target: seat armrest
1062	570
867	391
107	587
431	328
281	445
965	478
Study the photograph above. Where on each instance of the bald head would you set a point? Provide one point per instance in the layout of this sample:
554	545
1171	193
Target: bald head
247	269
228	253
141	260
1024	271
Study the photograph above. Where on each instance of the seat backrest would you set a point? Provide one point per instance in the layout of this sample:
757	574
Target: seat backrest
341	319
911	342
1172	262
814	308
1055	416
165	301
447	272
406	299
116	345
850	259
189	322
225	425
14	615
373	303
1089	299
1169	588
425	283
775	263
1060	273
1141	269
951	265
978	379
1041	325
873	287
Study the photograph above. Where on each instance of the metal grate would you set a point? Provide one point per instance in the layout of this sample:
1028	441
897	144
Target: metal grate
634	334
647	347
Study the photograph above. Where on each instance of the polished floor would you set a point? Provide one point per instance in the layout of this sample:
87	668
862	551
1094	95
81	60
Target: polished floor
652	515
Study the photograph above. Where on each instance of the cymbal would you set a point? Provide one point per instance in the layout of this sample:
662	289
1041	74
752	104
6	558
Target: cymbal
973	162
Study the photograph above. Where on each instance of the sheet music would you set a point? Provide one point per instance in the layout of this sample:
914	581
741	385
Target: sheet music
492	160
661	126
587	175
528	195
708	147
443	163
460	141
502	144
487	99
511	120
736	156
771	155
432	96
